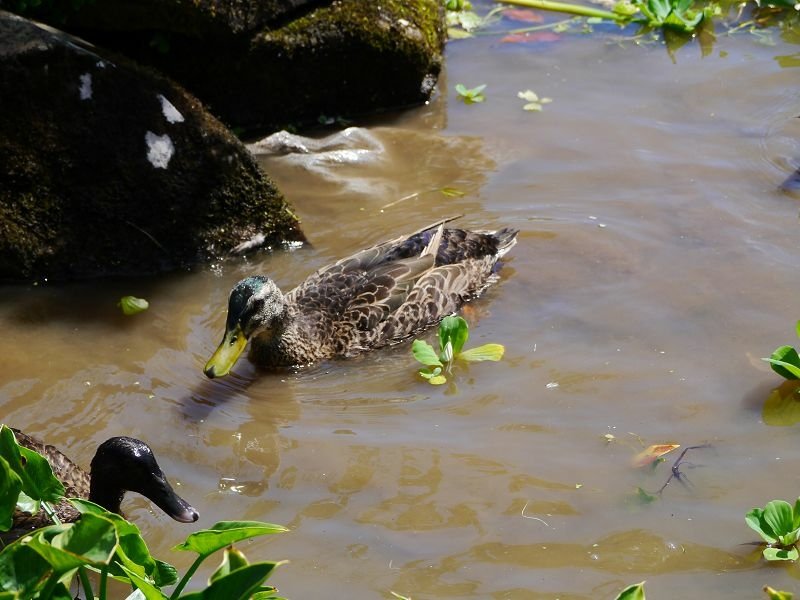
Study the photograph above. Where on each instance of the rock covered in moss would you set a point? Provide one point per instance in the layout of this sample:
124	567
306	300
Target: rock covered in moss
268	63
107	168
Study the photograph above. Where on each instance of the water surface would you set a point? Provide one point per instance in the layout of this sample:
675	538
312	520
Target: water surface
656	263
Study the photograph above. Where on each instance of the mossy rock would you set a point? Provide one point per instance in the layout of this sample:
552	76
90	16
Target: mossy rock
266	64
108	168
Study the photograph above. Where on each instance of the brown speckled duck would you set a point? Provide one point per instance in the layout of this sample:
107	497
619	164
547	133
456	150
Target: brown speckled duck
120	464
379	296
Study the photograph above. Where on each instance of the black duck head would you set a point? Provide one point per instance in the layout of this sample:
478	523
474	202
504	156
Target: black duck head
255	307
126	464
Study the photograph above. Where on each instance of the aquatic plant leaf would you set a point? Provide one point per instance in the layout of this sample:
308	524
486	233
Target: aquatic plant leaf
425	353
22	570
238	585
486	352
779	516
755	520
644	497
27	504
10	488
455	33
782	406
771	553
652	453
38	481
434	376
132	552
785	362
774	594
147	589
632	592
399	596
132	305
232	559
453	329
93	538
224	533
797	329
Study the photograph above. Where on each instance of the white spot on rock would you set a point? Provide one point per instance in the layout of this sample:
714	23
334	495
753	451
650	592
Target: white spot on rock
159	149
85	89
171	114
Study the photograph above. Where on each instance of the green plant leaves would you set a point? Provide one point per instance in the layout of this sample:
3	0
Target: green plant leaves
470	96
453	333
774	594
454	330
425	353
492	352
632	592
237	585
778	523
785	362
132	305
8	495
224	533
38	481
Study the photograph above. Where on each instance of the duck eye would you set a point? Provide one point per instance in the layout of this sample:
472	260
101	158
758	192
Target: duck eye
233	340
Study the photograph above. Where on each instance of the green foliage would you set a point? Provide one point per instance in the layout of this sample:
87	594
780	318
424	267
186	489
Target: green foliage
632	592
785	361
778	524
470	96
774	594
43	563
132	305
453	334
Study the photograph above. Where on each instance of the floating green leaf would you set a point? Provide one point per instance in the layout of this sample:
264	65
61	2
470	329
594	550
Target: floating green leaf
492	352
533	102
132	305
454	330
237	585
470	96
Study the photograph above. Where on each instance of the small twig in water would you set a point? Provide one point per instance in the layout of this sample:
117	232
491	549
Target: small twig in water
676	468
524	516
152	239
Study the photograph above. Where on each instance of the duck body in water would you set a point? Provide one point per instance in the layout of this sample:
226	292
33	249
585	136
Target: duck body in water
376	297
120	464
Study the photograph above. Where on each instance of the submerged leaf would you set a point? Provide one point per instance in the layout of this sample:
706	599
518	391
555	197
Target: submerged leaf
652	453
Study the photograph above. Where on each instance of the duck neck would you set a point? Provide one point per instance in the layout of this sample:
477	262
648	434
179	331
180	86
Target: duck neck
108	497
285	347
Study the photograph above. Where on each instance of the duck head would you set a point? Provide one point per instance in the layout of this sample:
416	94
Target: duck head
126	464
255	307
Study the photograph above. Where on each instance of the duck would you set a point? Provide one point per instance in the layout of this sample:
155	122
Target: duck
120	464
379	296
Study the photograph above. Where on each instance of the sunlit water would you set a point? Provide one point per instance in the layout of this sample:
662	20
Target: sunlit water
657	262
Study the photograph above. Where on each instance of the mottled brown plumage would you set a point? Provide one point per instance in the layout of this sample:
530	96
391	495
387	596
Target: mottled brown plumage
379	296
120	464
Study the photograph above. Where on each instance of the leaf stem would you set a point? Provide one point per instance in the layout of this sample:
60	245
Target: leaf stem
85	583
50	512
103	583
574	9
187	576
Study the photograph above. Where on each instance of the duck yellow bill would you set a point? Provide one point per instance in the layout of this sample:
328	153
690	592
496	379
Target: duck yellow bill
222	361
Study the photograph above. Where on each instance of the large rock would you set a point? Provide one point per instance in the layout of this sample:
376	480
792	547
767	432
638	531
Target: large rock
107	168
270	63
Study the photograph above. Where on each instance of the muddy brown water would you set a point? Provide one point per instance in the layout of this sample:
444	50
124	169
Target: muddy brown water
657	262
